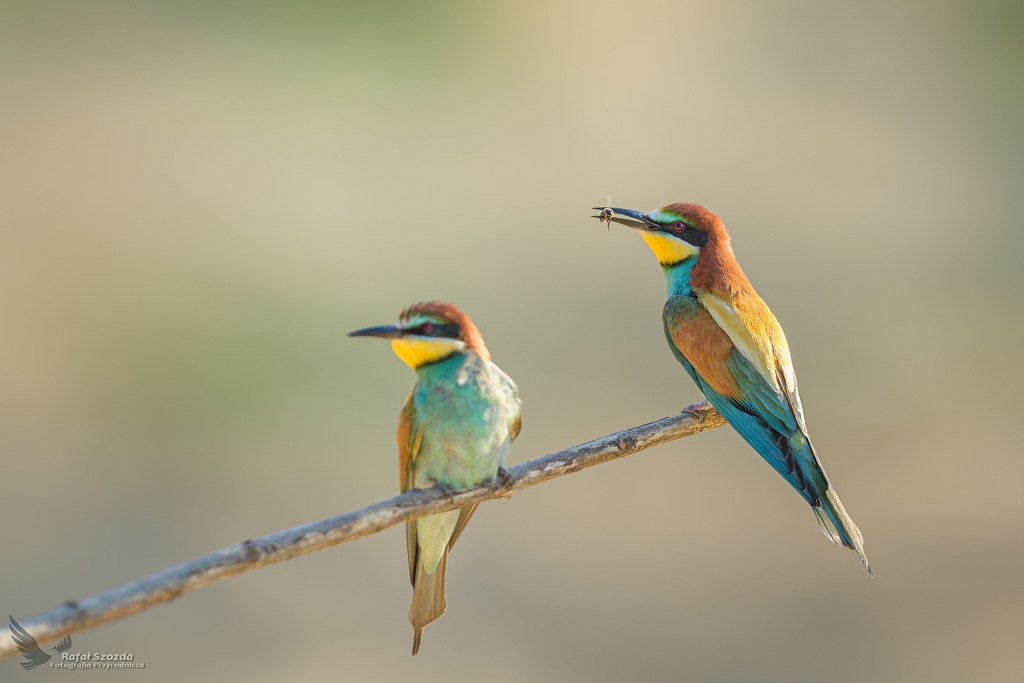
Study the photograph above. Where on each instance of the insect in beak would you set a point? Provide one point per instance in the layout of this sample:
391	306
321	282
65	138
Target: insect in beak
606	213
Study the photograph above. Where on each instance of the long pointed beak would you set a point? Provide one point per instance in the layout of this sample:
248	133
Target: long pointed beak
382	331
637	220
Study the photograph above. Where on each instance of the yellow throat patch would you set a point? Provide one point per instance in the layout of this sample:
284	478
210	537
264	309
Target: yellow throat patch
668	249
416	351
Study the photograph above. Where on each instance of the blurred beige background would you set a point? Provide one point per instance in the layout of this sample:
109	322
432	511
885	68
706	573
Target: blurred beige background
198	200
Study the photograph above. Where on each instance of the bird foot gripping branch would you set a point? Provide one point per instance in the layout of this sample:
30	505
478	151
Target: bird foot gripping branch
507	480
698	410
447	490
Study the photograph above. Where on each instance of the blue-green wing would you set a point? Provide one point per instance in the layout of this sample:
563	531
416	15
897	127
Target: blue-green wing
765	420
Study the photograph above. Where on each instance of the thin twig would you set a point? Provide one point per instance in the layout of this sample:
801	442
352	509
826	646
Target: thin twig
168	584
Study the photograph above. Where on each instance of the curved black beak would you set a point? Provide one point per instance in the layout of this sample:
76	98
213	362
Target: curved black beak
637	220
382	331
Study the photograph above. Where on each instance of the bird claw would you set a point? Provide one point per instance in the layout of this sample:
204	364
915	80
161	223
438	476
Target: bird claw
697	411
506	480
447	490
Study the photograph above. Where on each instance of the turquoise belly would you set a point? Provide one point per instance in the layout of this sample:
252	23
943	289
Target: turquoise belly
464	411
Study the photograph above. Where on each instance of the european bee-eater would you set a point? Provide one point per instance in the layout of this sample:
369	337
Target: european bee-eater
732	346
454	432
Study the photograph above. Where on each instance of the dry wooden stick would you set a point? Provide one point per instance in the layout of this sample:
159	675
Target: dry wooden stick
168	584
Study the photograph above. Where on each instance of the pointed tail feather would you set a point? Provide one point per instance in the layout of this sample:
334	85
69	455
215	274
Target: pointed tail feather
836	524
428	600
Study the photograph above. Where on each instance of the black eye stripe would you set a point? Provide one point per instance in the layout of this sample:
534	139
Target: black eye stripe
449	330
689	234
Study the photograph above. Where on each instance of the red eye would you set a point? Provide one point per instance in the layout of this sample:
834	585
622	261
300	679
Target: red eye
679	227
427	328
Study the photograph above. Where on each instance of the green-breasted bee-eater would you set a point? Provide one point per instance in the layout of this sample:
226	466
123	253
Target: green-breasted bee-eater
454	432
732	346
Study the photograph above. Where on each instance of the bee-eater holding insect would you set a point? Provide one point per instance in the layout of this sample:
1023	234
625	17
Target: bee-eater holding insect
454	432
732	346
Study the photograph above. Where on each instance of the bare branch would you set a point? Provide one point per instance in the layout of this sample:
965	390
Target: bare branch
168	584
